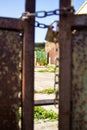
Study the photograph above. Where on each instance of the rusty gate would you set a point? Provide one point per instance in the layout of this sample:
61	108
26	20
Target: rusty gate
17	71
73	71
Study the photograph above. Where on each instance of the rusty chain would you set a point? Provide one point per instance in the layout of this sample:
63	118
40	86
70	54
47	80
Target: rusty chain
43	14
41	25
40	14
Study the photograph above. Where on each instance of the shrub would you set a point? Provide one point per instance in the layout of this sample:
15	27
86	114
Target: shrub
41	113
42	61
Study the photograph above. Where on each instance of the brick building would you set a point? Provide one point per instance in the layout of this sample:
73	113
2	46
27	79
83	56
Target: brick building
52	50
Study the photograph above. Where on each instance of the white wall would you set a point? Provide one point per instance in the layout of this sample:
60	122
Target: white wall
83	9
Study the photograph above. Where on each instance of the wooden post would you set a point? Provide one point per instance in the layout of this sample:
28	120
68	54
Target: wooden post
65	68
28	68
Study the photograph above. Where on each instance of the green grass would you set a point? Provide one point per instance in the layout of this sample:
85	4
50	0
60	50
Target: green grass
41	113
45	91
49	68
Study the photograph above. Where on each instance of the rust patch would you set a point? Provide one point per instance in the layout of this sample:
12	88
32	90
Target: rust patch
10	82
79	80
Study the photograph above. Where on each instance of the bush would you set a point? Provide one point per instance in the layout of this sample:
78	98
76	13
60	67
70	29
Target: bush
41	57
41	113
42	61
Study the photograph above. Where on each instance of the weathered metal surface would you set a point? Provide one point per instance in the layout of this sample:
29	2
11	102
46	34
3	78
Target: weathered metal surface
10	82
11	23
64	3
79	79
28	68
79	21
45	102
65	68
73	71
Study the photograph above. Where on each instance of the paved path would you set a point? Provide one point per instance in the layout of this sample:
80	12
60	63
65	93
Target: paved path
43	80
46	126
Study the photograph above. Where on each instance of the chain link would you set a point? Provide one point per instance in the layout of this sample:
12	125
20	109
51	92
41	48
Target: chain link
39	14
43	14
41	25
56	83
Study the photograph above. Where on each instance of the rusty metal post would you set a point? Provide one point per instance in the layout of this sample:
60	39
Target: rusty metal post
64	3
28	68
65	68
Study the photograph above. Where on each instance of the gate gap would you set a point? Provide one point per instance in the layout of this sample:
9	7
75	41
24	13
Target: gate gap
44	77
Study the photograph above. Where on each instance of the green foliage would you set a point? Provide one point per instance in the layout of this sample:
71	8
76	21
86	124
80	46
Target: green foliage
41	113
49	68
41	56
42	61
45	91
39	46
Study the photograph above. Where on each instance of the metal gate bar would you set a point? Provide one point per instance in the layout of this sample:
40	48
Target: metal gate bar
68	24
11	24
28	68
65	68
78	23
45	102
28	61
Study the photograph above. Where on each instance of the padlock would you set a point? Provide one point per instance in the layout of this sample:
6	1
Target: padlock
56	36
50	34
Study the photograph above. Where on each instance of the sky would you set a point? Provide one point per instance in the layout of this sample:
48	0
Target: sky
14	9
